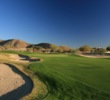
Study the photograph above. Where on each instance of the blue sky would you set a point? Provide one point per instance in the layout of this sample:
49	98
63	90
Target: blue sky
62	22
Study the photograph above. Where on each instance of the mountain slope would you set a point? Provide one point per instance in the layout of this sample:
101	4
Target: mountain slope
14	43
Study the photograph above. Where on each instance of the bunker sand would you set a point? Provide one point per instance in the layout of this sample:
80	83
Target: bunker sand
13	83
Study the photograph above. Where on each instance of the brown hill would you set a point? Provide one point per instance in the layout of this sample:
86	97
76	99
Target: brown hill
13	43
19	45
42	45
1	40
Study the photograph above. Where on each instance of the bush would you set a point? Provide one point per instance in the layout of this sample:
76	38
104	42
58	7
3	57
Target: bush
108	48
85	49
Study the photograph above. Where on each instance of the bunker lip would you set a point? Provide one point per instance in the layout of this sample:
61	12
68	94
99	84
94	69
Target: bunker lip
27	58
13	83
23	58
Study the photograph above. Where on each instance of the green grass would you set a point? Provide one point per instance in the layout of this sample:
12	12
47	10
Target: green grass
71	77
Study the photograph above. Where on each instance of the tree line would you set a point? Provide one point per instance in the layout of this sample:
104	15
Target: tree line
49	48
95	50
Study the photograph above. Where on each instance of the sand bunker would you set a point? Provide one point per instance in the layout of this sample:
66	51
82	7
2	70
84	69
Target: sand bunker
9	80
13	83
22	58
94	56
15	57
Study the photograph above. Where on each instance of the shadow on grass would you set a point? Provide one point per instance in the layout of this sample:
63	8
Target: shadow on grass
21	91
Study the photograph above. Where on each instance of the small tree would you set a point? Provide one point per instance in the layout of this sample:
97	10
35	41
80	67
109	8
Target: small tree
54	48
108	48
64	49
85	48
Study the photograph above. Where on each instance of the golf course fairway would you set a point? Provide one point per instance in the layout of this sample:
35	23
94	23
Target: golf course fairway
71	77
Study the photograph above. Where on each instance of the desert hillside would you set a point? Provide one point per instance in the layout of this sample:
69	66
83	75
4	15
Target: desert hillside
19	45
13	43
